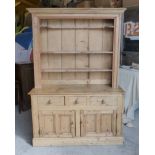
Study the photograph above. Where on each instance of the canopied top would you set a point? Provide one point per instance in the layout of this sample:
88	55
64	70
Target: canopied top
76	10
59	34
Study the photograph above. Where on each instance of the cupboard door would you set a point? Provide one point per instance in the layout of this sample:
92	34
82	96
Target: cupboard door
65	123
98	123
57	123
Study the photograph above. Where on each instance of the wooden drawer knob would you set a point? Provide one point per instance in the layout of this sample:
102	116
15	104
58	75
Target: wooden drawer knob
49	102
102	102
76	101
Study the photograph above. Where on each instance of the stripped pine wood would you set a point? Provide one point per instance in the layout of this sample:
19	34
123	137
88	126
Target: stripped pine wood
76	99
78	11
105	109
81	45
76	16
96	44
47	124
72	124
35	121
57	126
98	123
106	123
36	51
82	90
101	61
87	36
54	43
65	123
80	28
90	122
102	100
78	141
116	43
78	123
54	36
100	78
44	60
68	43
57	123
41	124
82	123
119	124
68	63
77	52
44	64
95	40
54	61
81	35
114	117
49	83
51	100
107	44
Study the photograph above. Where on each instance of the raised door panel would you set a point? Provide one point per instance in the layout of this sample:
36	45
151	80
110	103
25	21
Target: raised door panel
47	124
98	123
66	123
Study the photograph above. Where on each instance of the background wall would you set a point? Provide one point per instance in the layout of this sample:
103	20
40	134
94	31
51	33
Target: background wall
131	45
132	15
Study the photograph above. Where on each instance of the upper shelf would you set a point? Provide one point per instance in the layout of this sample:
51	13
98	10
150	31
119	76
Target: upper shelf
76	70
78	28
75	89
76	52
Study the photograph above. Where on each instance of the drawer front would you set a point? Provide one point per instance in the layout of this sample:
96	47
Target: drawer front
76	100
103	100
51	100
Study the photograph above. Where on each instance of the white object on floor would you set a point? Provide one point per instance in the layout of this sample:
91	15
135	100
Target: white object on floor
129	82
130	125
127	122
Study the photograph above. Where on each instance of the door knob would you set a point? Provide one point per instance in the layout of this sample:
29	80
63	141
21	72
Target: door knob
49	102
102	102
76	101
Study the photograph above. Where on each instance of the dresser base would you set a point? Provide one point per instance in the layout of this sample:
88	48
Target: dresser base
77	141
77	115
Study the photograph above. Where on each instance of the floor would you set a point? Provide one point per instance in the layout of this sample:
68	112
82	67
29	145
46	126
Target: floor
24	145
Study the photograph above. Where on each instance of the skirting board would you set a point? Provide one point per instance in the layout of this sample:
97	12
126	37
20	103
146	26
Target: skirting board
77	141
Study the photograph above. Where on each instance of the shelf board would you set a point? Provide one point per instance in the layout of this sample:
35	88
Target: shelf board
78	28
76	89
77	52
76	70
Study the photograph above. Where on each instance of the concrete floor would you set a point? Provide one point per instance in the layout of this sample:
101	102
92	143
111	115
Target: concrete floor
24	145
